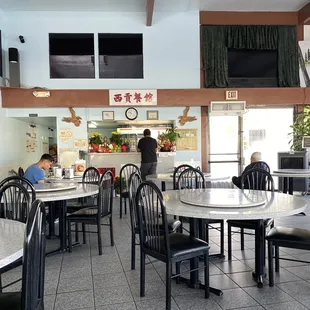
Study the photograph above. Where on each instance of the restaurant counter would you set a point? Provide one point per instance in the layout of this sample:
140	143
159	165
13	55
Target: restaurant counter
117	160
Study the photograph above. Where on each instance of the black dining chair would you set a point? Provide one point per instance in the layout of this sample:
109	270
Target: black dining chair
15	205
134	181
92	215
23	181
124	175
176	173
193	178
20	172
31	296
255	179
168	248
293	238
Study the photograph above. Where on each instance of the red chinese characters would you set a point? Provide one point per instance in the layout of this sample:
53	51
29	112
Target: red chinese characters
127	97
137	97
148	97
118	98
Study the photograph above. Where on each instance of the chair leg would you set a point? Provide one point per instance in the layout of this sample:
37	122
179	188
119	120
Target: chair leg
277	260
69	236
242	239
178	271
222	239
206	274
76	232
229	242
270	264
120	207
0	284
84	233
111	231
168	285
142	274
99	237
133	251
125	200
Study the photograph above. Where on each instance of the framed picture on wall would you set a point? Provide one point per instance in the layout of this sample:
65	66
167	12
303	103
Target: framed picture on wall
152	115
108	115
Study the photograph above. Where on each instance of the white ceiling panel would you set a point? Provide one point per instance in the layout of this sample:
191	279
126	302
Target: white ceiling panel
160	5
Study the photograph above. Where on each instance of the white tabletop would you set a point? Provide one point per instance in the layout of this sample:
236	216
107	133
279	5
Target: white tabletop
278	204
168	177
54	187
76	179
11	241
79	191
293	173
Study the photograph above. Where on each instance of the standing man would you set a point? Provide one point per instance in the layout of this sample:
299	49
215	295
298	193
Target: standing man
35	172
148	147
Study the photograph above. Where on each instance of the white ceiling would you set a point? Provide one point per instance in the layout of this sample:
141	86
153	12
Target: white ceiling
160	5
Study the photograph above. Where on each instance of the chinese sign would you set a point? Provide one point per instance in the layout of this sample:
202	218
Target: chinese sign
81	144
65	134
133	97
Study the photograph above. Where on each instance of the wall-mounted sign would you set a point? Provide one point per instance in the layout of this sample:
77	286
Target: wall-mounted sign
65	134
137	97
231	95
41	94
306	142
80	144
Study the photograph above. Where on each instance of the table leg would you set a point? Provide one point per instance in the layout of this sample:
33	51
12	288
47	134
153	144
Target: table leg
290	186
163	186
285	185
259	252
194	281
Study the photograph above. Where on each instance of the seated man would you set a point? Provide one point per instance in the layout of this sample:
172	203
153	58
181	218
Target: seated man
35	173
255	163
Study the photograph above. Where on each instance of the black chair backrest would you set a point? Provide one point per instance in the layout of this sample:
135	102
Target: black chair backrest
91	176
21	172
26	183
105	197
134	181
34	258
176	173
262	165
152	219
191	178
258	179
125	173
15	202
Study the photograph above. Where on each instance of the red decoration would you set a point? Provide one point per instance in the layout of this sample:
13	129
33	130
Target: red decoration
148	97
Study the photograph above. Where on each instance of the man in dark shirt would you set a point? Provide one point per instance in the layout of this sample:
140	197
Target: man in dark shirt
255	163
148	147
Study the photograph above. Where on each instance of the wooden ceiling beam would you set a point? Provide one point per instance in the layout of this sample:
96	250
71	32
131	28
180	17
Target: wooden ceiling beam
304	15
149	11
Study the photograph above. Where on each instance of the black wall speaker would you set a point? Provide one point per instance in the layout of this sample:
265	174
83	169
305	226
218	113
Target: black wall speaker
14	67
13	54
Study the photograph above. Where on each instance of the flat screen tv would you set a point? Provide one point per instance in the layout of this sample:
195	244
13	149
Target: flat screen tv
248	63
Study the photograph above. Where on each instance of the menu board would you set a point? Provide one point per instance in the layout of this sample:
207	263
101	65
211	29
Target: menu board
188	140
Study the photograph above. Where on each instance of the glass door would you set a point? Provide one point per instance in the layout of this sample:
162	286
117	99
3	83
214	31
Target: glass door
225	145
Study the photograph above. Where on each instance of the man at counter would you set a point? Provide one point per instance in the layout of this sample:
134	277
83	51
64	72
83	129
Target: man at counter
148	147
35	173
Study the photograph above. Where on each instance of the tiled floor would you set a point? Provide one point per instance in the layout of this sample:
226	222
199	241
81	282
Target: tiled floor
86	281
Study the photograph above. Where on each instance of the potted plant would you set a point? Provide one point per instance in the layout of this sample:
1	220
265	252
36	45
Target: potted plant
117	184
116	141
95	139
167	139
301	128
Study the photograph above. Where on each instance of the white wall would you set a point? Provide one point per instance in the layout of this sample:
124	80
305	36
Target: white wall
170	47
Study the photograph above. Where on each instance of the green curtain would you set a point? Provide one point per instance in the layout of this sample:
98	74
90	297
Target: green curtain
216	40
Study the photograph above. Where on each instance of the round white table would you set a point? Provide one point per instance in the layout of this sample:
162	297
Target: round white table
76	179
288	175
11	241
232	204
168	177
47	192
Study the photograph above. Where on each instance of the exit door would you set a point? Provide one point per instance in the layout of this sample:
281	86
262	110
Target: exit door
226	145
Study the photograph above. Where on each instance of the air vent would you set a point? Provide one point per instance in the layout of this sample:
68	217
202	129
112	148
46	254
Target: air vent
227	108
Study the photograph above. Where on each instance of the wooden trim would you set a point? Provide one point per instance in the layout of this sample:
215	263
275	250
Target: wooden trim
204	138
248	18
304	14
300	32
23	98
149	11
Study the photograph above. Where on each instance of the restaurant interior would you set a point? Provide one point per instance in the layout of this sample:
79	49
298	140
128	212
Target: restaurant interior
155	155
